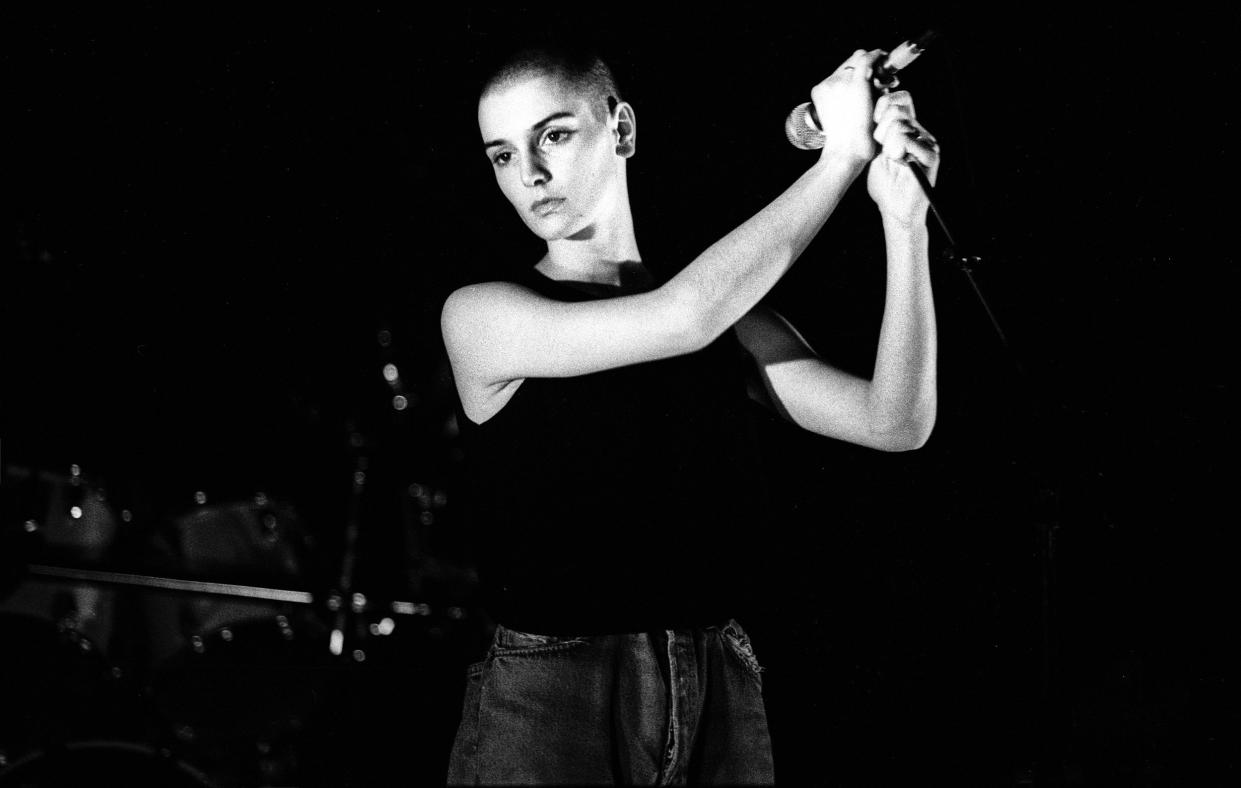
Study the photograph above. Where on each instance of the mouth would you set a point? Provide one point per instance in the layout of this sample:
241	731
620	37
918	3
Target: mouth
546	206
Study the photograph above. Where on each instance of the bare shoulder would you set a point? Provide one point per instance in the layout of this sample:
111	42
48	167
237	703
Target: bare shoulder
472	318
469	310
483	297
496	332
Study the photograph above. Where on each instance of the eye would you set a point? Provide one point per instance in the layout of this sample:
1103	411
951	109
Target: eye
556	136
502	158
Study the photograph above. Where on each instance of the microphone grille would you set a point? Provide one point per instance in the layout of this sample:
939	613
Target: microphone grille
800	130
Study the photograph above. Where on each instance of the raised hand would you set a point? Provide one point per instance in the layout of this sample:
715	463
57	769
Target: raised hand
890	182
844	103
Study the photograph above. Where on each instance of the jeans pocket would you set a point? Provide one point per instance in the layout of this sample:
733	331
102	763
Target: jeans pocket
739	644
510	642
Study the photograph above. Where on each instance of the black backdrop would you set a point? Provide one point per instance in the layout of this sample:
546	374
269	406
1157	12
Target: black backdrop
218	212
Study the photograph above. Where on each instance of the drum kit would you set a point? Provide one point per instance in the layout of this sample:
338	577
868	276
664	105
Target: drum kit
195	646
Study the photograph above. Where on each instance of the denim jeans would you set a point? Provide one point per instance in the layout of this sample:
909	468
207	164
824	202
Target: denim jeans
671	707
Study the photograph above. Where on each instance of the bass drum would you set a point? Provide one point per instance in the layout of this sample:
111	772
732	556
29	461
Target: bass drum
255	540
101	762
242	703
56	686
58	518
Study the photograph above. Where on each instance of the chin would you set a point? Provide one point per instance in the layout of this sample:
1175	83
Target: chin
555	228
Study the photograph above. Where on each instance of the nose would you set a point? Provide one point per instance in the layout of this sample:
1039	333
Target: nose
533	172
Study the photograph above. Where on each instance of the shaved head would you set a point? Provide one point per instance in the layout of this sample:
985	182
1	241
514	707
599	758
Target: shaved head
581	70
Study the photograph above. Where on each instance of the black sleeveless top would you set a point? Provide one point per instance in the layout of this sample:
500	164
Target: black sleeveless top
620	501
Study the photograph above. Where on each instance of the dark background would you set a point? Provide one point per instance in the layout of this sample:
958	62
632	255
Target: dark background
219	212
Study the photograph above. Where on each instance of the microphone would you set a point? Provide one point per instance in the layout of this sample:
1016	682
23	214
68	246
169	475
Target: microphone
803	127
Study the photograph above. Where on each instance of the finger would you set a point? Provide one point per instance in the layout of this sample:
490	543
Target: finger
852	63
924	137
905	125
897	98
869	59
924	151
864	57
860	63
894	116
894	140
901	136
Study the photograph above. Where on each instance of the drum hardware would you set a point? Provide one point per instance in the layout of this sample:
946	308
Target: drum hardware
90	761
173	584
250	697
348	606
348	560
61	517
360	622
243	702
57	685
256	534
347	618
209	538
229	555
359	602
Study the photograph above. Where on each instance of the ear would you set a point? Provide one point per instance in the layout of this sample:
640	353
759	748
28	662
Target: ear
625	127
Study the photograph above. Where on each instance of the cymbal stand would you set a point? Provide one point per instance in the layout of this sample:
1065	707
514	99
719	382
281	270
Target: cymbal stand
353	526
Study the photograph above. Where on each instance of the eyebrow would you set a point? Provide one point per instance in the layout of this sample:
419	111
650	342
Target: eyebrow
539	125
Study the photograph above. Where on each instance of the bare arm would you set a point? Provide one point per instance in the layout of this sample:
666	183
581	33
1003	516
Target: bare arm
903	391
497	332
894	410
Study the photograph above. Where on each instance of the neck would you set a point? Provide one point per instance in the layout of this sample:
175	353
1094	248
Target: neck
604	253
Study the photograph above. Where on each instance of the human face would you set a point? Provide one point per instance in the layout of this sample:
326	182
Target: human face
552	158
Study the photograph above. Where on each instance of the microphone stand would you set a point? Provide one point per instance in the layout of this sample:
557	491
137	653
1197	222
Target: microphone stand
886	82
1045	520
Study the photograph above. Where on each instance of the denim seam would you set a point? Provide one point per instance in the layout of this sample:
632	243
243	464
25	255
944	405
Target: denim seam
477	713
550	648
672	740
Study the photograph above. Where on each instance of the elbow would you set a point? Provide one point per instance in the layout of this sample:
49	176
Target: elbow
909	434
909	438
688	325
